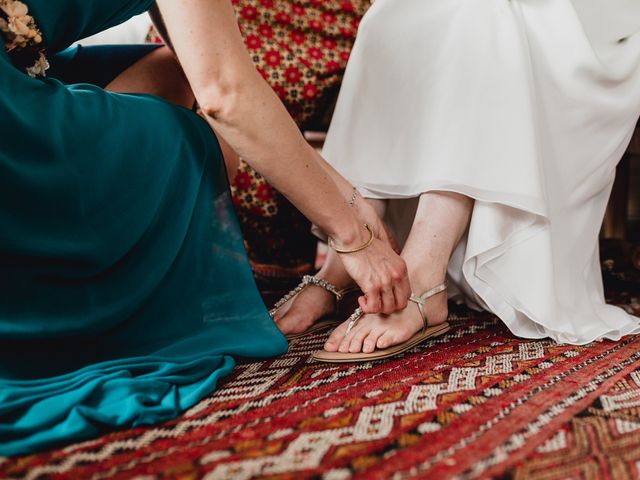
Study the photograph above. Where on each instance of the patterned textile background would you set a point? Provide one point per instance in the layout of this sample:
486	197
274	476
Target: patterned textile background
301	48
474	403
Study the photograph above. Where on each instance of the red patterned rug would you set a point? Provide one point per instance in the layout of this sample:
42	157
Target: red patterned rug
475	403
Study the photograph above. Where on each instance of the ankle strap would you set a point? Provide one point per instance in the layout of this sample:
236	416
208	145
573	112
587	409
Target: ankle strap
420	299
319	282
306	281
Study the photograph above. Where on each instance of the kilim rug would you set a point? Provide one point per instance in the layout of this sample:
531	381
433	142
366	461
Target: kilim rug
475	403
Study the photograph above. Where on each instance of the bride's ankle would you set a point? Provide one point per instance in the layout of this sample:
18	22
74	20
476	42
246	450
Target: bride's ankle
429	278
337	279
436	307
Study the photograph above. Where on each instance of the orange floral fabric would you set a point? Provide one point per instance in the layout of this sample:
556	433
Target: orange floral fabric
301	48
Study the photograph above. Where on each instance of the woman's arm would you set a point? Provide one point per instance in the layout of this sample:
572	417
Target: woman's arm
244	110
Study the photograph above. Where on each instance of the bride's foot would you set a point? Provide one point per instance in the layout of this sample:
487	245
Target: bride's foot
440	221
377	332
300	313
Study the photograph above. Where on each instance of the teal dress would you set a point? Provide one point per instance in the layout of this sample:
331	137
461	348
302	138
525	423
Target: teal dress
125	291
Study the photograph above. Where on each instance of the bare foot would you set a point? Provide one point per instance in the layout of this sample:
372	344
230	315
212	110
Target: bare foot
383	331
439	224
300	313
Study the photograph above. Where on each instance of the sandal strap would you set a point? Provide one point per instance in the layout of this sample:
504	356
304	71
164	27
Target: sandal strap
353	319
306	281
328	286
420	299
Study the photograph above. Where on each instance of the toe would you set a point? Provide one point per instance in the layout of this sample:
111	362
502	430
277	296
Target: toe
345	344
370	341
333	342
355	345
385	340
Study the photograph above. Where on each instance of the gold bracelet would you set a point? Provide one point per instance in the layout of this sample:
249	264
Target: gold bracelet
332	244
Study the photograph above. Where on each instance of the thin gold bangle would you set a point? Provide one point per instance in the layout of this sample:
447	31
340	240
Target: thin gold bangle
332	244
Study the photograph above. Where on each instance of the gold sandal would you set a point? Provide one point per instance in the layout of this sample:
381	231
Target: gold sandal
327	321
426	332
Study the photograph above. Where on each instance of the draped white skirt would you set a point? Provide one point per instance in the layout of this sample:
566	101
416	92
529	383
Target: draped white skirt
526	106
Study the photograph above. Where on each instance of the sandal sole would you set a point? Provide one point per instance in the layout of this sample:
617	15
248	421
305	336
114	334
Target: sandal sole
338	357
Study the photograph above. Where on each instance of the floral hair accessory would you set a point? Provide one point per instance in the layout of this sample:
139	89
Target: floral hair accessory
23	39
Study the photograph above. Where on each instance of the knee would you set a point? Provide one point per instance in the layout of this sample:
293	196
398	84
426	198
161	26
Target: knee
174	84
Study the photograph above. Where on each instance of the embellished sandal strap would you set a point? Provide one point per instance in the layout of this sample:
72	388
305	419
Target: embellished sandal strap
328	286
353	319
420	299
306	281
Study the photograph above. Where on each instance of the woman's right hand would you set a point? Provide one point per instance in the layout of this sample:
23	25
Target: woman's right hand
381	274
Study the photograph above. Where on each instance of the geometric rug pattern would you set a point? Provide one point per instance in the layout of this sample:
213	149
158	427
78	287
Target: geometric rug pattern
600	442
474	403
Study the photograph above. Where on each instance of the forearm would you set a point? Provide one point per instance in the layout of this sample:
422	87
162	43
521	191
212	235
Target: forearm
345	187
243	109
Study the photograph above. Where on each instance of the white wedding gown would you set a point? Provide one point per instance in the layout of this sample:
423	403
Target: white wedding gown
526	106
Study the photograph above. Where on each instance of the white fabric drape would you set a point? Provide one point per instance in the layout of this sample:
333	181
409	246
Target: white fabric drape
526	106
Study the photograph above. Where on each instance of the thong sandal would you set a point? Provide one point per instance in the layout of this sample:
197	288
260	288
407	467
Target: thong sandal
327	321
426	332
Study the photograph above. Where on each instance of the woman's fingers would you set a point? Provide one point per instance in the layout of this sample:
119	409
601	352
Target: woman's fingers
389	297
389	304
401	296
382	275
396	297
401	288
372	300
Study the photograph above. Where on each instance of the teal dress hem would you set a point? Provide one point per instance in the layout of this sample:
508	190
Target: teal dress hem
125	290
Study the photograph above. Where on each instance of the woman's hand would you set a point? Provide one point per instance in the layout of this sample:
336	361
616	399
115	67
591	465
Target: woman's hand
381	274
378	269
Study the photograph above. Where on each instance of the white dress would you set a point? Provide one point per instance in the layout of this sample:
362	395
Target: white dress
526	106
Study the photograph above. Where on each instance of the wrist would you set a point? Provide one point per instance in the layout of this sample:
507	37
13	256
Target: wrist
359	248
350	233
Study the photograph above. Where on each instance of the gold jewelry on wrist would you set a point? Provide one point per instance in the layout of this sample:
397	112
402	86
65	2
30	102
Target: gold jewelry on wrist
332	244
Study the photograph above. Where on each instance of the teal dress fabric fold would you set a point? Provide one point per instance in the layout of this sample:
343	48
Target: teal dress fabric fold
125	291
